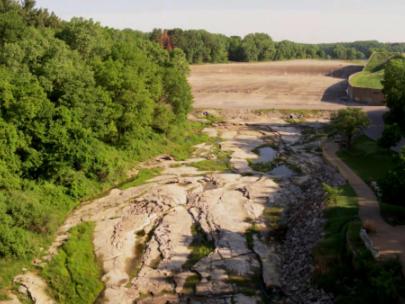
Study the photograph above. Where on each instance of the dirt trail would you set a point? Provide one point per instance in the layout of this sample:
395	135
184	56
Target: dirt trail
210	237
387	240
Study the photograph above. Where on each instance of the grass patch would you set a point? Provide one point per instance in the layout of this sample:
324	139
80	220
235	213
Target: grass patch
141	178
368	160
200	247
343	265
190	286
211	165
261	167
372	163
74	275
135	264
213	119
220	164
368	80
304	113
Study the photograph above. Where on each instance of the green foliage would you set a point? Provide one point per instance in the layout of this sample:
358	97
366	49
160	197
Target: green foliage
74	274
348	121
191	283
391	136
201	46
142	177
343	265
394	90
198	45
79	105
368	80
372	75
201	246
212	165
368	160
262	166
257	47
392	184
378	61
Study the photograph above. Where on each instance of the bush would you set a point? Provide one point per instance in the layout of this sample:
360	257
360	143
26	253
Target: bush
393	186
391	136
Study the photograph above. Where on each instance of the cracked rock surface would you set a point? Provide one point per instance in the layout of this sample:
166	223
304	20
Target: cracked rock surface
188	236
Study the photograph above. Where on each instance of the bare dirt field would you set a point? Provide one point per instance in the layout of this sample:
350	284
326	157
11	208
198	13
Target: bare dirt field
297	84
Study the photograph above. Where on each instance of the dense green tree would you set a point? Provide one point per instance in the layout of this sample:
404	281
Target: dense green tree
77	101
347	122
393	184
394	90
391	136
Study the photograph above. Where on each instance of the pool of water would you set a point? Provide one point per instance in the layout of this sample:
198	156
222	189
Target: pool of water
266	154
282	172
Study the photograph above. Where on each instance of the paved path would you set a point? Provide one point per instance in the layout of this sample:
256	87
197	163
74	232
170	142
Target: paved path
387	240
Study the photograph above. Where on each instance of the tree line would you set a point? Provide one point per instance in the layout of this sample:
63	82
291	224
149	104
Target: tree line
393	185
201	46
79	103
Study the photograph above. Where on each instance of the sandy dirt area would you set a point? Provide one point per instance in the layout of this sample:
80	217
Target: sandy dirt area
297	84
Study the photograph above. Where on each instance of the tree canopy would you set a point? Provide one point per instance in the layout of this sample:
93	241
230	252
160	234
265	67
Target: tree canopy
348	121
203	47
77	102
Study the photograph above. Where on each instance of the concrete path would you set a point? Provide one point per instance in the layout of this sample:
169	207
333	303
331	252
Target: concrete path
387	240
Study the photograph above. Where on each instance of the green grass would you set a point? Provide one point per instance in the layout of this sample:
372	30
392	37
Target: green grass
74	274
211	165
261	167
344	266
200	247
368	80
378	60
372	163
220	164
368	160
191	283
141	178
373	73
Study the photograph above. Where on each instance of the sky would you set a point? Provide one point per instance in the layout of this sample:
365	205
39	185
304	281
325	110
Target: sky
311	21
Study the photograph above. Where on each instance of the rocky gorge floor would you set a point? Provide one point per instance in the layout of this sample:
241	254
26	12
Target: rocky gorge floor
190	236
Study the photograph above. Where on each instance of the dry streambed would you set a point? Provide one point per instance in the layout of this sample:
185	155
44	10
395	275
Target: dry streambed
189	236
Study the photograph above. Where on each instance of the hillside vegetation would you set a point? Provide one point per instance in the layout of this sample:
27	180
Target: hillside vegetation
201	46
79	105
373	73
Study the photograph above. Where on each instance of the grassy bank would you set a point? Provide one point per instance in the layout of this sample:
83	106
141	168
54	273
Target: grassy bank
54	203
368	80
74	275
343	264
368	160
373	73
372	163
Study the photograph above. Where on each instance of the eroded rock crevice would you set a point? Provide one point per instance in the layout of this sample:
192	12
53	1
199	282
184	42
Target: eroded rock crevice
244	236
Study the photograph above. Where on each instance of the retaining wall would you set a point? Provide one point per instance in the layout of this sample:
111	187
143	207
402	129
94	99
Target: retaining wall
371	97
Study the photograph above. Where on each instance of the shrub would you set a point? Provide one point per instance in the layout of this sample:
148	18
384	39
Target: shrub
391	136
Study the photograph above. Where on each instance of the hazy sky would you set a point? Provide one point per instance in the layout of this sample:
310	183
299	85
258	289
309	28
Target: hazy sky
298	20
